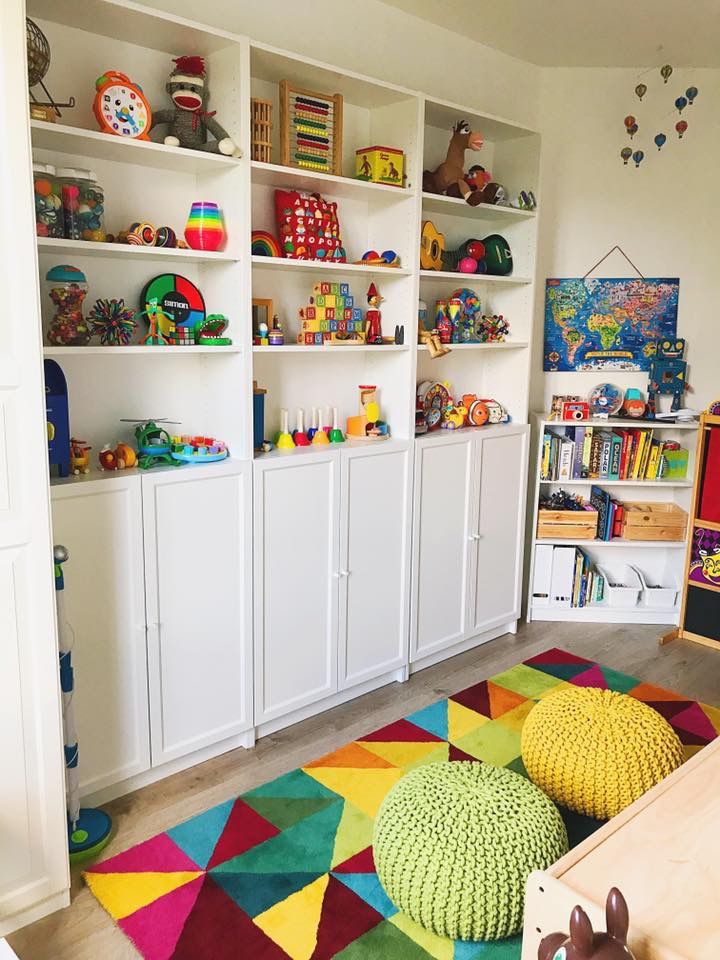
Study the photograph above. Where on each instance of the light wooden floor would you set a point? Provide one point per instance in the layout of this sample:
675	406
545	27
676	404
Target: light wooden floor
85	932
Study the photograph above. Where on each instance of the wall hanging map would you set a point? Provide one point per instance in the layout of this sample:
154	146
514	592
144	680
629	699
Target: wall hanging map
607	324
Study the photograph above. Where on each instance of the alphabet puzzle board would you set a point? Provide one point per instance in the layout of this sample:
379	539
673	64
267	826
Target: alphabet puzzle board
311	127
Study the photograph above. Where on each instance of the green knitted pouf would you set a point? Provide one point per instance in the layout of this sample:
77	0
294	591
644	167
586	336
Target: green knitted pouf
455	842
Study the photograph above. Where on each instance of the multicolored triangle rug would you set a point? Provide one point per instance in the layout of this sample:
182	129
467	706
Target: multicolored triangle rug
286	870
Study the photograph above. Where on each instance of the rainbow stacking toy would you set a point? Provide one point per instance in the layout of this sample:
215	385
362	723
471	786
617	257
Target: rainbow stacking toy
205	229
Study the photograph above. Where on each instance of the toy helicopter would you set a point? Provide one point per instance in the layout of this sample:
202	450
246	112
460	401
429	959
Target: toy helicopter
154	443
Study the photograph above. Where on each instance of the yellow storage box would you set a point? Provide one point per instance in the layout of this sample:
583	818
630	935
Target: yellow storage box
380	165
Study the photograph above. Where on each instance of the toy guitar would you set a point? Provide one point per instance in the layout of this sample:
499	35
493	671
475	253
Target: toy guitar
432	245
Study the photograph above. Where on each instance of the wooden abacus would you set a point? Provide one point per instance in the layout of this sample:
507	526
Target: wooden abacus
261	127
311	127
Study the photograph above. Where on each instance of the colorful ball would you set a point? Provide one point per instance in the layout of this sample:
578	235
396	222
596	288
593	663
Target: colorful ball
468	265
476	249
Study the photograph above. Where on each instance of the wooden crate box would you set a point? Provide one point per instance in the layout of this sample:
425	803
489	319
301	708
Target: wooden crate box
654	521
569	524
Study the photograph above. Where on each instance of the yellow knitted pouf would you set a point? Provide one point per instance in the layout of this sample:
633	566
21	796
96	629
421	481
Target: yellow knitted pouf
596	751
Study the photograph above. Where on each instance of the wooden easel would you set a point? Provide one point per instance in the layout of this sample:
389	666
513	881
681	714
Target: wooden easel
700	610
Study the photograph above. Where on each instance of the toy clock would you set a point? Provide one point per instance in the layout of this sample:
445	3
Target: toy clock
120	107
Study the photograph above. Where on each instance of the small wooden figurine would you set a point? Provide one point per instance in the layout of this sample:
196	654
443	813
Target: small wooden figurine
367	426
583	944
373	317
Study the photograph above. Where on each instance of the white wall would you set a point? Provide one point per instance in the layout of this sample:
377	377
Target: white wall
369	37
664	214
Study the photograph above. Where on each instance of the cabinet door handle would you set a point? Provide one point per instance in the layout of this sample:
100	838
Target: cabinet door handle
475	536
344	573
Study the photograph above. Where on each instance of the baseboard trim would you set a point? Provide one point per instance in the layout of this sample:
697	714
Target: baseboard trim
476	641
22	918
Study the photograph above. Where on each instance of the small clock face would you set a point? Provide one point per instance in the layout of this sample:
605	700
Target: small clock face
123	110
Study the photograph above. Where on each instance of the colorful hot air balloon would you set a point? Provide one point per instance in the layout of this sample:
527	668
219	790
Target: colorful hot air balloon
691	93
629	120
666	72
626	153
632	130
681	126
680	104
638	157
640	90
660	139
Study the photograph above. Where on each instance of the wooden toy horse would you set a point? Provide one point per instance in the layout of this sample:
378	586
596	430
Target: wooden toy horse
583	944
449	177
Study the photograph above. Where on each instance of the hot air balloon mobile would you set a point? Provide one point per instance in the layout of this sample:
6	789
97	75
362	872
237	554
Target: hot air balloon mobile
666	72
660	139
638	157
681	126
640	90
691	93
629	121
680	104
626	153
632	130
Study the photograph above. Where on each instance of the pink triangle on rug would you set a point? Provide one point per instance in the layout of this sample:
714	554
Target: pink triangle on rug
594	677
555	656
695	721
362	862
157	855
156	928
401	731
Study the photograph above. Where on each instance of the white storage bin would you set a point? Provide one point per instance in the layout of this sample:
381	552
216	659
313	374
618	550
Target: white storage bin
622	586
657	596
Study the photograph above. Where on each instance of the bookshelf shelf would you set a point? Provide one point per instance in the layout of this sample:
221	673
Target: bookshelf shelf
616	483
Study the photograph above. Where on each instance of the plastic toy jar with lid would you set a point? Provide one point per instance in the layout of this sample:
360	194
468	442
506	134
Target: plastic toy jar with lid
48	201
68	289
83	202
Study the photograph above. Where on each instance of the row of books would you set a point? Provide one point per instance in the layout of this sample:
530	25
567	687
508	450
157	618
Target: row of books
594	453
610	514
564	577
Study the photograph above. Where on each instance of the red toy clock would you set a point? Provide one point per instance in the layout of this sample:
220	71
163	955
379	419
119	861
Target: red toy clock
120	107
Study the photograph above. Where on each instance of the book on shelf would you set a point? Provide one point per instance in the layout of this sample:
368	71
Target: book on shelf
594	453
565	577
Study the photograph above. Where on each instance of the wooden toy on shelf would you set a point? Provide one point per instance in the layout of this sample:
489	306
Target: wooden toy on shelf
331	317
120	107
449	177
380	165
373	316
367	427
308	227
188	120
57	417
668	374
264	244
432	245
262	311
371	258
79	456
311	129
120	457
260	130
431	339
276	337
258	416
633	405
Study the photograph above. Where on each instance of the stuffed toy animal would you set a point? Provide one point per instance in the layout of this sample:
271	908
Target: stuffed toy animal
583	944
188	118
449	178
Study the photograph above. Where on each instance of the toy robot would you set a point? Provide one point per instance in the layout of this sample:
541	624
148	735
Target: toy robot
668	374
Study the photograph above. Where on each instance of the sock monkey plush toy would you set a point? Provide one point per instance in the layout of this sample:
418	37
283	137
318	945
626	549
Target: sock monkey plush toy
188	119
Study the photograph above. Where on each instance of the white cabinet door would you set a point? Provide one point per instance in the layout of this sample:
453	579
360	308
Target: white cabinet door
198	581
296	582
374	535
441	545
101	525
496	574
34	872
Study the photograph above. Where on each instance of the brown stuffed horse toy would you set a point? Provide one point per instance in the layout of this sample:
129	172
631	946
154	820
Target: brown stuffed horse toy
449	177
583	944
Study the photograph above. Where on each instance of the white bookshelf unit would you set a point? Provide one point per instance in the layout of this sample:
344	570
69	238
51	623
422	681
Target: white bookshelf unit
660	561
319	537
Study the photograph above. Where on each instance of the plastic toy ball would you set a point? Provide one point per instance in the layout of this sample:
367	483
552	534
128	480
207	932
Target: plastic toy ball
468	265
626	153
605	398
640	90
691	93
629	121
660	140
476	249
666	72
681	103
638	157
681	126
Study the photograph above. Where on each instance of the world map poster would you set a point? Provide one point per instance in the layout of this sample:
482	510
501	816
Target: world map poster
607	324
